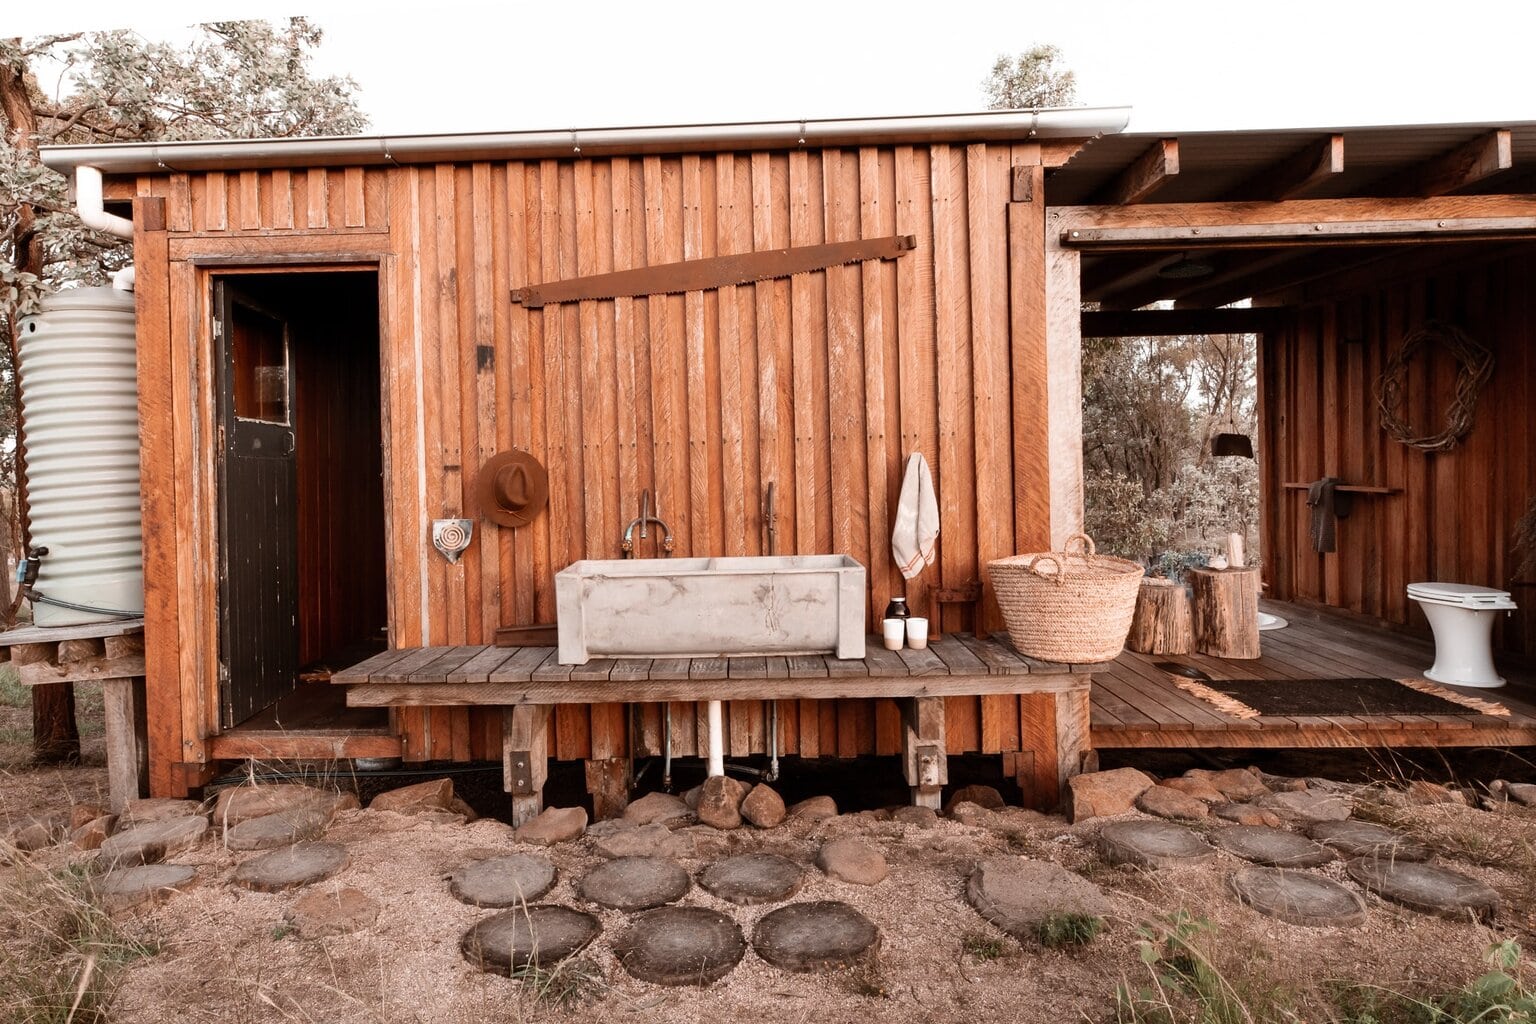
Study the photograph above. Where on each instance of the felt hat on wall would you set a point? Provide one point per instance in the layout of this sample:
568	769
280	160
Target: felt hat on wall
512	488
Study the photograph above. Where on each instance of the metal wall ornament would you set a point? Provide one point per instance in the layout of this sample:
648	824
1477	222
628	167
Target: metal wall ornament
1474	368
452	536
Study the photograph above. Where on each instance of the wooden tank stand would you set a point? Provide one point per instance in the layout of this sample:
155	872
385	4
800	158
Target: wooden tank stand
110	653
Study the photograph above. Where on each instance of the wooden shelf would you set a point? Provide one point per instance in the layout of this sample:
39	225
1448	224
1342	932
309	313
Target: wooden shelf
1348	488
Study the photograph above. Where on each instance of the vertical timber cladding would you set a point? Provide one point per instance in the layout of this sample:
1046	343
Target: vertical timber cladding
819	384
1455	514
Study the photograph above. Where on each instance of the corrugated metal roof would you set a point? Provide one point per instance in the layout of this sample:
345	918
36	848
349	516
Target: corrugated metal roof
1215	165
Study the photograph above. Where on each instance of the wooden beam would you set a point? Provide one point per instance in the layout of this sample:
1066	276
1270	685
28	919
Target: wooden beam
1460	168
1298	174
1150	172
714	271
1152	323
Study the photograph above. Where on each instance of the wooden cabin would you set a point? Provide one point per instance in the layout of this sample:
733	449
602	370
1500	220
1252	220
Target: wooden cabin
941	312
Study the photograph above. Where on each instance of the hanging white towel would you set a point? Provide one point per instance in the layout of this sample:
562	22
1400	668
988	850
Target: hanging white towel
917	519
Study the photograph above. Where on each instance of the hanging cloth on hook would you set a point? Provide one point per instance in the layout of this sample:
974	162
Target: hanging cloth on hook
917	519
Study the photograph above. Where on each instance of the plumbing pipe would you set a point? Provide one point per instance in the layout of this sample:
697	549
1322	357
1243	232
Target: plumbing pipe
716	741
123	279
356	150
666	748
90	206
773	742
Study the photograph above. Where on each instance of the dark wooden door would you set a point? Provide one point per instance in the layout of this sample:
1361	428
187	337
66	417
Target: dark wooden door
258	512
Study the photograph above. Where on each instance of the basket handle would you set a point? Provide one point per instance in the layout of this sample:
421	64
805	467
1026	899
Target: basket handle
1058	577
1066	548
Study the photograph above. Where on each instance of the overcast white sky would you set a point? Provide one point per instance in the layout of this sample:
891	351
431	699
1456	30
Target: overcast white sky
1180	64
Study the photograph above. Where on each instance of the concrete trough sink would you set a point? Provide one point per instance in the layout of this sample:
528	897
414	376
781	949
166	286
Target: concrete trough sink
710	607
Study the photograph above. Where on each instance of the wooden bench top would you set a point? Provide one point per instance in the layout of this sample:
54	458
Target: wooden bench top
482	675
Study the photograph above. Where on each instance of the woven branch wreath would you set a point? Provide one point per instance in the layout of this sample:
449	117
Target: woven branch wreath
1474	367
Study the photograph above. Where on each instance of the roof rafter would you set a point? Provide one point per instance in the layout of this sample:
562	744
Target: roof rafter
1466	165
1298	174
1150	172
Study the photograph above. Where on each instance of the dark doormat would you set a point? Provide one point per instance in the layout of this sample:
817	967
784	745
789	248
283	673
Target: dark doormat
1325	697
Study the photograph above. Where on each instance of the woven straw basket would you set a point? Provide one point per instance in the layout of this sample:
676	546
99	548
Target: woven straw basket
1067	606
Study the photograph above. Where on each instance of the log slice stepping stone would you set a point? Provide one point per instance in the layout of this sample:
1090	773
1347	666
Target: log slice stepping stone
1018	895
153	842
1298	897
542	936
1363	839
510	881
127	887
1155	843
1425	888
634	883
819	936
1273	846
280	829
680	946
292	866
753	878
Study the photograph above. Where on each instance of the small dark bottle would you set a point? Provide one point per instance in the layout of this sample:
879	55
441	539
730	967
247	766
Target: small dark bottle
898	609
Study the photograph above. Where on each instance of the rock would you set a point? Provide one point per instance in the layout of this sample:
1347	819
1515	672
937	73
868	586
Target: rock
1101	794
820	936
720	802
753	878
437	816
1423	793
512	939
292	866
1428	889
1306	806
31	834
656	807
434	793
680	946
691	797
553	825
1236	784
1017	894
511	881
1200	789
634	883
122	888
645	841
142	812
982	796
1364	839
83	814
1271	846
322	912
763	806
1154	843
815	808
281	829
1171	803
93	833
1523	793
610	827
1298	897
1244	814
1280	783
463	810
242	803
922	817
851	860
153	842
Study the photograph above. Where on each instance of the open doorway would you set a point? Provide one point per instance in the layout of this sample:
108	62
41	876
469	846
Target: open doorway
301	497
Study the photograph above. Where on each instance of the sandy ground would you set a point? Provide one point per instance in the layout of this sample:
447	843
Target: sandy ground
227	956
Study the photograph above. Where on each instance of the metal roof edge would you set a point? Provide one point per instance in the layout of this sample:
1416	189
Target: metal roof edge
993	125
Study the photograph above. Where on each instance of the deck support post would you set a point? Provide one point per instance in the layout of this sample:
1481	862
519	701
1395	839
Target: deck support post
1053	732
127	743
609	780
924	758
525	758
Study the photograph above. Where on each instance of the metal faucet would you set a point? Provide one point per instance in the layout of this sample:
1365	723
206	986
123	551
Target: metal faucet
646	516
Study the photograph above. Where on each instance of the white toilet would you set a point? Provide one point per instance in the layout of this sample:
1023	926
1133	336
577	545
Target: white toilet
1461	618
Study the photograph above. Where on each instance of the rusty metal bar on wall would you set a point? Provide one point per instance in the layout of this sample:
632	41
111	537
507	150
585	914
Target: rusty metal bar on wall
714	272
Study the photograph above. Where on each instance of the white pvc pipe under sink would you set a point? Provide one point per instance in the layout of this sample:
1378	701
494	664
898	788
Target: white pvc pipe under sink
716	740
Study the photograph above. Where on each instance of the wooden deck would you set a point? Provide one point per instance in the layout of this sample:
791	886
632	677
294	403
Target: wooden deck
1136	704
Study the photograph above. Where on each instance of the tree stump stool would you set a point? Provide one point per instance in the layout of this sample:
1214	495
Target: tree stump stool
1161	624
1226	607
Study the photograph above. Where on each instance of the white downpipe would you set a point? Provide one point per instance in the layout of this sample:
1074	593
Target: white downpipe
716	740
92	210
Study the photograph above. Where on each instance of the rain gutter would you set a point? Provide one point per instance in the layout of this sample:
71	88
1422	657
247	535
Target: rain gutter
354	151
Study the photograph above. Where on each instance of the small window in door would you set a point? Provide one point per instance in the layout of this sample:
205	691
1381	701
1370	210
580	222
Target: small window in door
260	357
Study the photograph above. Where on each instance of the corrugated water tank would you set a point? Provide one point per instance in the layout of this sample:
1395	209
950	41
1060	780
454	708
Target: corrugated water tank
79	401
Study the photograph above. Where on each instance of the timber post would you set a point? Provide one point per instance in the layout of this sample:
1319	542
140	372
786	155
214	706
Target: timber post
525	758
609	780
924	759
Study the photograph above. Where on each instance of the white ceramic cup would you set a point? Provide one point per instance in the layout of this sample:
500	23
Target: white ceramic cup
895	633
917	633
